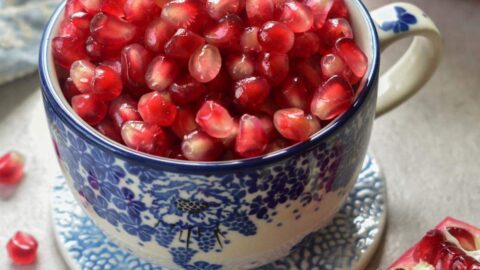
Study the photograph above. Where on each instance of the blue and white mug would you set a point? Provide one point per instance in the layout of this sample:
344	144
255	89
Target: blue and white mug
245	213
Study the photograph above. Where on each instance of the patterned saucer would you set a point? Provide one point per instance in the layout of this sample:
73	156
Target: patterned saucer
348	242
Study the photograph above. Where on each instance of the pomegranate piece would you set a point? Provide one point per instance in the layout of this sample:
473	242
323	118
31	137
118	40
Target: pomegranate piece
22	248
451	245
147	138
161	73
276	37
251	140
198	146
293	93
215	120
90	108
240	66
186	90
82	73
306	44
226	33
91	6
185	122
273	66
332	98
249	40
218	9
186	14
333	30
113	7
122	110
293	124
205	63
339	10
109	130
135	60
251	93
11	168
156	109
259	11
110	30
69	89
67	50
333	64
107	83
320	10
140	11
157	33
353	56
81	20
182	44
297	16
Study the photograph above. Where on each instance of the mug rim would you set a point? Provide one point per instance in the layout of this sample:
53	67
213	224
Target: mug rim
173	165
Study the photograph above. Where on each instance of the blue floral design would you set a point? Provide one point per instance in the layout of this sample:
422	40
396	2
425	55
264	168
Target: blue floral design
403	23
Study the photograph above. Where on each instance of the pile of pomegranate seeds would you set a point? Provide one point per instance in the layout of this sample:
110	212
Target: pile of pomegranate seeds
208	80
11	168
22	248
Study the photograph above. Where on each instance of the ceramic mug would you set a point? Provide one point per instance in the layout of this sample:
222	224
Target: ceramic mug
237	214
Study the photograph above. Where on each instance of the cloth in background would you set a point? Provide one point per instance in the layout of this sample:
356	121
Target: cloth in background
21	26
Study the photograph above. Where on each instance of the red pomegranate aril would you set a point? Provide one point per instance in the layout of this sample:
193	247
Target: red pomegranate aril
429	246
205	63
277	145
268	127
161	73
72	6
67	50
292	124
332	98
251	140
249	40
293	93
91	6
306	44
251	93
215	120
273	66
221	83
98	51
109	130
124	109
353	56
226	33
297	16
113	7
22	248
314	124
81	20
259	11
186	14
310	70
110	30
156	109
82	73
114	65
107	83
69	89
182	44
464	237
229	141
90	108
144	137
11	168
240	66
161	3
157	34
339	10
320	10
69	29
186	90
198	146
333	64
333	30
140	11
135	60
218	9
185	122
276	37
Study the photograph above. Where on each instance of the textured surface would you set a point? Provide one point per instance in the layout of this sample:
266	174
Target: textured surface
428	148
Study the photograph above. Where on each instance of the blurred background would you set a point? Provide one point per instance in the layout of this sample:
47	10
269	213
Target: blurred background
429	148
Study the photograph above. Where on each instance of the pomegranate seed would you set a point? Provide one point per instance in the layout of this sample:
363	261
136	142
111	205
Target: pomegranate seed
333	98
198	146
184	14
72	6
110	30
205	63
115	65
157	34
221	83
182	44
124	109
240	66
108	129
274	67
187	90
69	29
11	168
226	33
353	56
320	10
215	120
276	37
332	65
314	124
140	11
259	11
249	40
67	50
269	107
135	59
156	109
429	246
293	124
69	89
446	255
268	127
98	51
113	7
185	122
293	93
464	237
91	6
81	20
218	9
333	30
162	3
143	137
107	83
297	16
339	10
82	73
251	139
251	93
230	140
89	108
306	44
277	145
22	248
161	73
310	70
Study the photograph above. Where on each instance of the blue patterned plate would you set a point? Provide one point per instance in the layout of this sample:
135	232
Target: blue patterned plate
347	243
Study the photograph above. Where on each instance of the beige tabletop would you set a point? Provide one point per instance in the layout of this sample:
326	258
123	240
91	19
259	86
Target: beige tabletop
429	148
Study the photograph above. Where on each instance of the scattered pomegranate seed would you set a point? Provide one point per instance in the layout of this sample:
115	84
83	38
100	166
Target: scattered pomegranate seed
22	248
333	98
69	89
276	37
182	44
320	10
215	120
161	73
107	83
81	20
293	93
249	40
185	122
306	44
11	168
110	30
273	66
293	124
156	109
186	14
252	140
143	137
82	73
124	109
113	7
251	93
89	108
140	11
67	50
157	34
259	11
226	33
205	63
109	130
135	60
198	146
240	66
333	30
297	16
187	90
333	64
218	9
353	56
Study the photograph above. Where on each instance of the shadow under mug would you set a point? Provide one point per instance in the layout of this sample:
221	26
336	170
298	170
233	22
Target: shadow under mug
246	213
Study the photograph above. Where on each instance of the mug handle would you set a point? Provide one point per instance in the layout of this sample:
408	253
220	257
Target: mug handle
405	78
